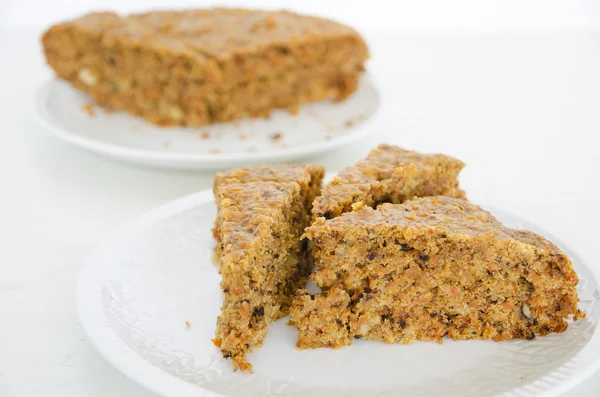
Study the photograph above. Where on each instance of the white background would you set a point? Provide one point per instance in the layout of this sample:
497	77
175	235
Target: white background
372	15
510	87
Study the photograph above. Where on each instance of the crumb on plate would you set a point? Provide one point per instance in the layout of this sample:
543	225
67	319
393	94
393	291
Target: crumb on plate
276	136
88	108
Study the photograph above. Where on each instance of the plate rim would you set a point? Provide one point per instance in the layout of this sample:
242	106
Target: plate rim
125	359
44	118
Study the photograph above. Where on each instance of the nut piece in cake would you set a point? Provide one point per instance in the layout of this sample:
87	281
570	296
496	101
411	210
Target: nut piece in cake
430	268
389	174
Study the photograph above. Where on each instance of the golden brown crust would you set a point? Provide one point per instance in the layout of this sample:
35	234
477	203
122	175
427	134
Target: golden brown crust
262	258
201	66
389	174
435	267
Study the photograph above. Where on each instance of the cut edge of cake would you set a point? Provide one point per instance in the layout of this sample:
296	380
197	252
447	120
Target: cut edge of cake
263	259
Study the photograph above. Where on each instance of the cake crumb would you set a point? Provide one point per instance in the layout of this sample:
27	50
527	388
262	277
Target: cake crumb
579	315
88	108
188	325
276	136
349	123
205	135
242	136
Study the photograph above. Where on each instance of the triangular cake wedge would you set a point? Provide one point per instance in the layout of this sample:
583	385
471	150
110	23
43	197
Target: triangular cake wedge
430	268
389	174
263	260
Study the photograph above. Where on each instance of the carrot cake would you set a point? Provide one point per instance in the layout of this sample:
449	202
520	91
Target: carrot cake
389	174
430	268
203	66
263	260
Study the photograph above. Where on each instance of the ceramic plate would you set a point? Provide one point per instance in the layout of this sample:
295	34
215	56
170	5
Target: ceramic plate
317	128
138	294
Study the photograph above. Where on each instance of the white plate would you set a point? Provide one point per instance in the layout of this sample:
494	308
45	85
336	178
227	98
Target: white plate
317	128
136	294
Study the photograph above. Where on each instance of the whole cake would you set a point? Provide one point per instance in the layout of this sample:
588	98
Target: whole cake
198	67
389	174
263	260
430	268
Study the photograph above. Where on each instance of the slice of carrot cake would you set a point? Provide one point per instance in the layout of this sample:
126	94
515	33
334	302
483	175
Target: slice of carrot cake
263	260
432	267
389	174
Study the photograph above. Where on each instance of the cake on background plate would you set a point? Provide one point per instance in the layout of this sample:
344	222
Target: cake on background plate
203	66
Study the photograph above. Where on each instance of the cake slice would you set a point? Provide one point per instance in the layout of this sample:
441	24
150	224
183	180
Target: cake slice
389	174
196	67
263	260
430	268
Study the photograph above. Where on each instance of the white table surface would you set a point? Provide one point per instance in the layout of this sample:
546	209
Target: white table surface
521	109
